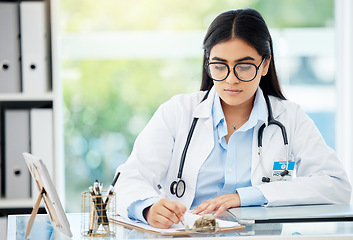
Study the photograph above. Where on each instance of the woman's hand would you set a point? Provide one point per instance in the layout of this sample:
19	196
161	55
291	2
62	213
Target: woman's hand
218	204
164	213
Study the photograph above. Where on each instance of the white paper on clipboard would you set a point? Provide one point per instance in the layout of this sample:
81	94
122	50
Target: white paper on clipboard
189	219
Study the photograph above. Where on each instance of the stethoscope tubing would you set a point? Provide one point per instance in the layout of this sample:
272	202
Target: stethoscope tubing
271	120
183	155
188	140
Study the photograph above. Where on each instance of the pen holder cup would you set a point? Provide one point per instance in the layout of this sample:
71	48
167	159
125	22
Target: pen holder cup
95	214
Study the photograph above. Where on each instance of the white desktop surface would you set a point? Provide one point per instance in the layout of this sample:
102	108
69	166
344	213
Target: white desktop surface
310	230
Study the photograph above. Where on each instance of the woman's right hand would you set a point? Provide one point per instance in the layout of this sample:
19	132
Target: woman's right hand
164	213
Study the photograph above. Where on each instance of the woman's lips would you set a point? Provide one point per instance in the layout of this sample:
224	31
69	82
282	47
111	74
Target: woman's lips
232	91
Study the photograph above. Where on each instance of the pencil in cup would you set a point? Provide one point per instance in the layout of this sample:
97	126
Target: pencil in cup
101	210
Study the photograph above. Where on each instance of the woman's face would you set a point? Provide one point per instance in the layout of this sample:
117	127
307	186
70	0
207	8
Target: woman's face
232	91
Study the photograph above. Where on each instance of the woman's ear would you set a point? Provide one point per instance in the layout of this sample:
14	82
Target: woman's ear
266	66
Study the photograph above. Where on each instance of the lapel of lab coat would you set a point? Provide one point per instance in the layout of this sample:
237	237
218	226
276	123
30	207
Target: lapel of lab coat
201	145
256	170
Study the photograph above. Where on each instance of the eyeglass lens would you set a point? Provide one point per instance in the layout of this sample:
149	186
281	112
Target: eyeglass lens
220	71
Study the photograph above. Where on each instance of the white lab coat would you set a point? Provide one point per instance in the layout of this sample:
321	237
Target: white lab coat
157	151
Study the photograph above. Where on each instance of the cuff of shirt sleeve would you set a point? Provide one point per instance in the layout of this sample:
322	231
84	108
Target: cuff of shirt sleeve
251	196
135	210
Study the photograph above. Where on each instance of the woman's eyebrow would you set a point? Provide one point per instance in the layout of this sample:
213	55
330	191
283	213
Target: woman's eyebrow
219	59
245	59
238	60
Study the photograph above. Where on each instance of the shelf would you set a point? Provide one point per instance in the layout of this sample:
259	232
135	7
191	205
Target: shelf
19	206
16	203
18	97
41	128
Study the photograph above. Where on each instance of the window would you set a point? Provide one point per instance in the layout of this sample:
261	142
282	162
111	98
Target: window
120	62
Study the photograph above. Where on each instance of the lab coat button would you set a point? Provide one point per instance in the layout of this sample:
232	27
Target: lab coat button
230	170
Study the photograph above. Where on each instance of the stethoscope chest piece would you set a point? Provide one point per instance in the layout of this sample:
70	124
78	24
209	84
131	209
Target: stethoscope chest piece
178	188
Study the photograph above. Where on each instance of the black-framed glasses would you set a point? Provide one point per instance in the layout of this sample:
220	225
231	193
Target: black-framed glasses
245	72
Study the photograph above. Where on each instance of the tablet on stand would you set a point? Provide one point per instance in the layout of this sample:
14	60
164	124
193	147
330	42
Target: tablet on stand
48	193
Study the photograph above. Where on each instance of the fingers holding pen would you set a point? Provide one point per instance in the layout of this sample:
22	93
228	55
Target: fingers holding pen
164	213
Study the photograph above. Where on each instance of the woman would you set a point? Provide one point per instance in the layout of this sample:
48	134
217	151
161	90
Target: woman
222	167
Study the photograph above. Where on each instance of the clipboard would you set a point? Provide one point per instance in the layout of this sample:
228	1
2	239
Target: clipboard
125	223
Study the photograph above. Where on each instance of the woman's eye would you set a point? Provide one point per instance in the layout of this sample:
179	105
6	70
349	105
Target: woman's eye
244	67
220	67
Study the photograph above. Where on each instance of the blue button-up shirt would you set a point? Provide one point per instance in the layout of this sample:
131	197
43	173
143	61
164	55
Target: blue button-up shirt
227	169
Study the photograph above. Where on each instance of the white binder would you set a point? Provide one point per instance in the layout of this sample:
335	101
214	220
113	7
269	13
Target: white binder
34	47
17	177
42	143
10	77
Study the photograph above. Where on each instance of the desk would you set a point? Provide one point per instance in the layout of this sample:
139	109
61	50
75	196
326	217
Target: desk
310	230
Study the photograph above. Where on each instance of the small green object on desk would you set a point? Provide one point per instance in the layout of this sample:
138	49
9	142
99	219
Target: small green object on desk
205	224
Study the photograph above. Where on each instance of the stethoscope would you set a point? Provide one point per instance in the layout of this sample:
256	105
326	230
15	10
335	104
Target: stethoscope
178	187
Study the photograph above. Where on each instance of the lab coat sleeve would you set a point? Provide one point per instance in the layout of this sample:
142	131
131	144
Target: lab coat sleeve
135	211
320	179
149	160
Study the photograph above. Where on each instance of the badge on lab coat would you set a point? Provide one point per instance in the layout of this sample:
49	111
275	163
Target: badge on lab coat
280	166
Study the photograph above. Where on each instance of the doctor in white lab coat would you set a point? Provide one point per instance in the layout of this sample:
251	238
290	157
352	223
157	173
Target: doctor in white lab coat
239	70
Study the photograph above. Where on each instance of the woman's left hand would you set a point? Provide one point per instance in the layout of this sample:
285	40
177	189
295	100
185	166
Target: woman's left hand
218	204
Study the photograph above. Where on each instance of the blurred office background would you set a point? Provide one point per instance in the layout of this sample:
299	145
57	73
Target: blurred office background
122	59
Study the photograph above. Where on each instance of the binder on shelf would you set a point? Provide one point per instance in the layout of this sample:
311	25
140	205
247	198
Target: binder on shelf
1	160
10	74
42	141
34	47
17	177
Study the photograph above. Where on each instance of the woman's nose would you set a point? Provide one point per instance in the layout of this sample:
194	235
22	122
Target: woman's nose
232	78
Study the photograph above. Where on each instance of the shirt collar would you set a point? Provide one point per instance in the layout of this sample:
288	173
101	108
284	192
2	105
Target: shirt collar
219	124
217	111
258	114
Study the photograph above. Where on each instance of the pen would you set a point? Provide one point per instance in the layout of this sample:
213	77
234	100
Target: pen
165	196
96	188
111	188
101	210
92	213
161	190
110	192
100	186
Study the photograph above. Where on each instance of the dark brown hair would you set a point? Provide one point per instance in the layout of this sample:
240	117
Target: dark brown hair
248	25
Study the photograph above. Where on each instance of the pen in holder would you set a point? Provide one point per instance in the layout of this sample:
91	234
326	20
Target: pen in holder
95	213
